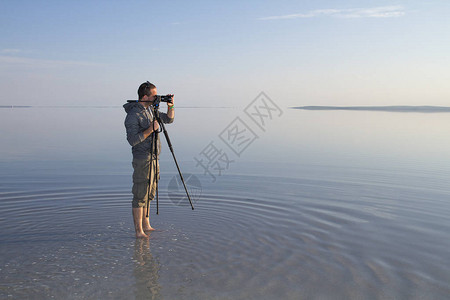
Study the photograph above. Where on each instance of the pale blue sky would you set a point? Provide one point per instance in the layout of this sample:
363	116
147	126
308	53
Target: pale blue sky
224	53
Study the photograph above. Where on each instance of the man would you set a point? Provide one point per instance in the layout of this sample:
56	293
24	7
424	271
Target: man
141	125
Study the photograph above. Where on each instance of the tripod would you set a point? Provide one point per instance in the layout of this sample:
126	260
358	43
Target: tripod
154	155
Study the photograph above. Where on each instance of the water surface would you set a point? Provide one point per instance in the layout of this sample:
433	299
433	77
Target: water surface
323	205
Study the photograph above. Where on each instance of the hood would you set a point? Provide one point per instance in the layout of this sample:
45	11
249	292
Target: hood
133	106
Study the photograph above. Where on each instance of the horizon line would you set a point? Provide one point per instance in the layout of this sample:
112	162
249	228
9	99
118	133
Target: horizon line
388	108
96	106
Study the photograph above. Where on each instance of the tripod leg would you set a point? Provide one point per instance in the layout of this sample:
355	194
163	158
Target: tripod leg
169	143
149	185
156	173
182	180
149	175
155	181
161	124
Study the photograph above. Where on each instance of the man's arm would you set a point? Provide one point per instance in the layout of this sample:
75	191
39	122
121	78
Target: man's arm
170	110
170	115
134	135
153	127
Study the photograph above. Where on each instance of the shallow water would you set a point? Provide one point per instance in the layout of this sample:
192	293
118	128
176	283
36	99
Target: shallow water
310	210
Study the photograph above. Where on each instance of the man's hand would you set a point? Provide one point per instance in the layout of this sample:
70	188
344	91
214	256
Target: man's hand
154	125
171	109
150	130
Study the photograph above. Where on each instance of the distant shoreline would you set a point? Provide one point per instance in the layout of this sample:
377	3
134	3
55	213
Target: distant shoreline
403	108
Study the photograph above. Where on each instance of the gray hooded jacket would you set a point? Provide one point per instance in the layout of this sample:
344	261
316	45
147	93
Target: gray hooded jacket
138	119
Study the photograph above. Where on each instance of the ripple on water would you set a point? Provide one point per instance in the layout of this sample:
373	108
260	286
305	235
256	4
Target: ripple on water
249	237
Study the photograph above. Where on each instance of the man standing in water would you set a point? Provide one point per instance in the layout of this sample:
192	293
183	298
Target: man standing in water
141	125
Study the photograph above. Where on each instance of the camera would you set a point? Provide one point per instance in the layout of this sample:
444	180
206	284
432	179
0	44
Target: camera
161	98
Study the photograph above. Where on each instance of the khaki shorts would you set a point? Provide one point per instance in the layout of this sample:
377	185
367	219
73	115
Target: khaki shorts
141	183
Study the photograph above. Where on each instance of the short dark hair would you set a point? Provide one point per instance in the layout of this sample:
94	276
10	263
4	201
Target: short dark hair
144	89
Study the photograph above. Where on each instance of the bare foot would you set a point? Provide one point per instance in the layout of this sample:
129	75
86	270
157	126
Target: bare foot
141	235
148	228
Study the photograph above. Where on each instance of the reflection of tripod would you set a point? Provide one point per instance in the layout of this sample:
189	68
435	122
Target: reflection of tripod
154	155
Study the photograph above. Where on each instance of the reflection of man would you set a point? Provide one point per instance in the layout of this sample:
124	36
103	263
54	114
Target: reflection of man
141	125
146	272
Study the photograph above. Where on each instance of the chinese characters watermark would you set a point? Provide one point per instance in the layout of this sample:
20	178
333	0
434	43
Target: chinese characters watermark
214	159
262	110
237	136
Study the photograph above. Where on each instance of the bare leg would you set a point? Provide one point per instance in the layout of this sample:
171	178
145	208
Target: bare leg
145	221
137	218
